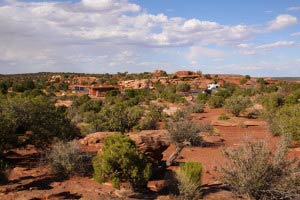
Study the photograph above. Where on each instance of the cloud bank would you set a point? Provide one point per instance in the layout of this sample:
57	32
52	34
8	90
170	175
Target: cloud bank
110	36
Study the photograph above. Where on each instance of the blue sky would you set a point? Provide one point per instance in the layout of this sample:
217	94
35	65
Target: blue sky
257	37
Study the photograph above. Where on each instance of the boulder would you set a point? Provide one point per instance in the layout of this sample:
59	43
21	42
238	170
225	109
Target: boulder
152	143
95	139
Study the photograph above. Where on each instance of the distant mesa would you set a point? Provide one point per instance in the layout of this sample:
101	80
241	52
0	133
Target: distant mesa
187	74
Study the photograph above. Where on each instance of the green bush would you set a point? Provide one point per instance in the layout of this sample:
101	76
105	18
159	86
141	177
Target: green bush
184	131
189	180
196	108
119	117
243	81
22	86
260	172
172	97
225	93
293	98
112	93
153	115
230	87
216	101
120	160
249	92
272	101
180	115
207	76
237	104
3	172
202	98
183	87
223	117
286	121
19	115
3	88
66	159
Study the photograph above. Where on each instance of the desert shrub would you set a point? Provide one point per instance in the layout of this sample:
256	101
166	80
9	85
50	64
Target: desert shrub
202	98
120	160
189	180
153	115
168	93
3	88
180	115
131	93
225	93
184	131
230	87
37	115
33	93
249	92
66	159
293	98
260	172
223	117
286	121
216	101
272	101
268	88
112	93
120	117
78	101
207	76
196	108
243	81
3	172
24	85
183	87
91	105
146	123
261	81
172	97
237	104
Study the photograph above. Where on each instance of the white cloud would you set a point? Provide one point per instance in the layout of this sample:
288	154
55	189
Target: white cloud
250	49
93	33
276	45
295	34
282	22
111	35
197	52
293	8
244	45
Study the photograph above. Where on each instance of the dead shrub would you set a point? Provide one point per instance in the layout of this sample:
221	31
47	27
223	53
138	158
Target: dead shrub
66	159
260	172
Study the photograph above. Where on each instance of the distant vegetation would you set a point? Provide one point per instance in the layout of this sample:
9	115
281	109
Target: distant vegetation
42	110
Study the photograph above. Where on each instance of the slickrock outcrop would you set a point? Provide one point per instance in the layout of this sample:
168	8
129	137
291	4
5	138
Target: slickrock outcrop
151	142
159	73
187	74
136	84
95	139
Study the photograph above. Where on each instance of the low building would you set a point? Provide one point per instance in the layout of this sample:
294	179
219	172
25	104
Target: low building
100	91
